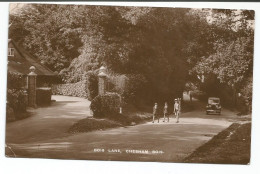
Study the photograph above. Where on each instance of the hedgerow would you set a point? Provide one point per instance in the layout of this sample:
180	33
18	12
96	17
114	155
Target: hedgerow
70	89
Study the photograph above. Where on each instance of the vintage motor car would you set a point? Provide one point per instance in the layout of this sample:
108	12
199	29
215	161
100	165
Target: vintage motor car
213	106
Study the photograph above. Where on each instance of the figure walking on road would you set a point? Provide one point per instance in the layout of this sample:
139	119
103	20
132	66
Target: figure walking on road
177	110
155	112
165	112
190	94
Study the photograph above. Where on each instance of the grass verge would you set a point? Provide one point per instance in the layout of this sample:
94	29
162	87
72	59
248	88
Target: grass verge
131	117
91	124
231	146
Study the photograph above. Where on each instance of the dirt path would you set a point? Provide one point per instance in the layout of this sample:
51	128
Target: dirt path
145	142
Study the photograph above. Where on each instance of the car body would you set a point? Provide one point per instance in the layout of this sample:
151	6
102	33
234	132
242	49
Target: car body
213	106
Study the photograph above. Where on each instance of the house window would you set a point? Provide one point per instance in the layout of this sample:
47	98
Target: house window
10	51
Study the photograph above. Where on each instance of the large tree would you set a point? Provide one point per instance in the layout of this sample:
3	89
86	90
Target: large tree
229	66
159	45
50	32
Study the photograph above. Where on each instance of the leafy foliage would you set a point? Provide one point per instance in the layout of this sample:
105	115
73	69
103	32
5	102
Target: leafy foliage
70	89
91	85
165	47
229	63
150	48
16	96
134	91
15	81
17	100
106	105
49	32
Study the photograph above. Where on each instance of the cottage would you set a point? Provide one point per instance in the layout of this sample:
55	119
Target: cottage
21	63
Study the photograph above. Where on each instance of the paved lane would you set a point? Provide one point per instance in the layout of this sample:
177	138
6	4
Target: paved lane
145	142
48	122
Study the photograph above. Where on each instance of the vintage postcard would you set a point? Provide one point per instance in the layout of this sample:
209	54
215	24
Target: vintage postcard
126	83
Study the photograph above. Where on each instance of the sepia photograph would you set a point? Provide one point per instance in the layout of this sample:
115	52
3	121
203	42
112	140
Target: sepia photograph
129	83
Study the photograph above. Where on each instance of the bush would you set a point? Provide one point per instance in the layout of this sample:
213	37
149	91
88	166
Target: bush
116	82
9	114
91	85
43	96
135	88
105	105
17	100
70	89
247	96
15	80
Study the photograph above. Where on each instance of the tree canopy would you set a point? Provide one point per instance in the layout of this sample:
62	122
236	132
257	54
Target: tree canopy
167	46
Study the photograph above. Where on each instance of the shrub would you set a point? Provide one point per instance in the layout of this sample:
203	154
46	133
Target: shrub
247	94
105	105
15	80
70	89
17	100
43	96
116	82
9	114
248	89
91	85
135	89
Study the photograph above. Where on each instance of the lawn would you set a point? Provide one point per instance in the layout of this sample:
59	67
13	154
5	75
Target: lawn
231	146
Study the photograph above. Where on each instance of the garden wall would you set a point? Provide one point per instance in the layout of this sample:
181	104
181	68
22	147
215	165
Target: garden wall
43	96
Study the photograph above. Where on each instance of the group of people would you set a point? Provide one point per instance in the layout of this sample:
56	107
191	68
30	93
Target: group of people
176	111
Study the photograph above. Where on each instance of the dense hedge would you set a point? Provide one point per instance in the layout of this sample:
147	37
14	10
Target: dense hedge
16	96
70	89
9	114
43	96
105	106
15	81
91	85
16	101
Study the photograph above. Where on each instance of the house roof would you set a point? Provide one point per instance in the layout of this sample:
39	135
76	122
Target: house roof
23	63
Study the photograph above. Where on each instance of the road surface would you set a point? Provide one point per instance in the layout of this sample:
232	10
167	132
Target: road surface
44	135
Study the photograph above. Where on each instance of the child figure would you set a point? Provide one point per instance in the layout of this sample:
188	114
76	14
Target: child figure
176	110
165	112
155	112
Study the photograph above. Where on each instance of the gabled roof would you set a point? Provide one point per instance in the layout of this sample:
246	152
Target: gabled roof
22	65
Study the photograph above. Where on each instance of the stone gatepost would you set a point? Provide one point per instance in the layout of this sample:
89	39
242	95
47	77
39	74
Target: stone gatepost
32	88
102	80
